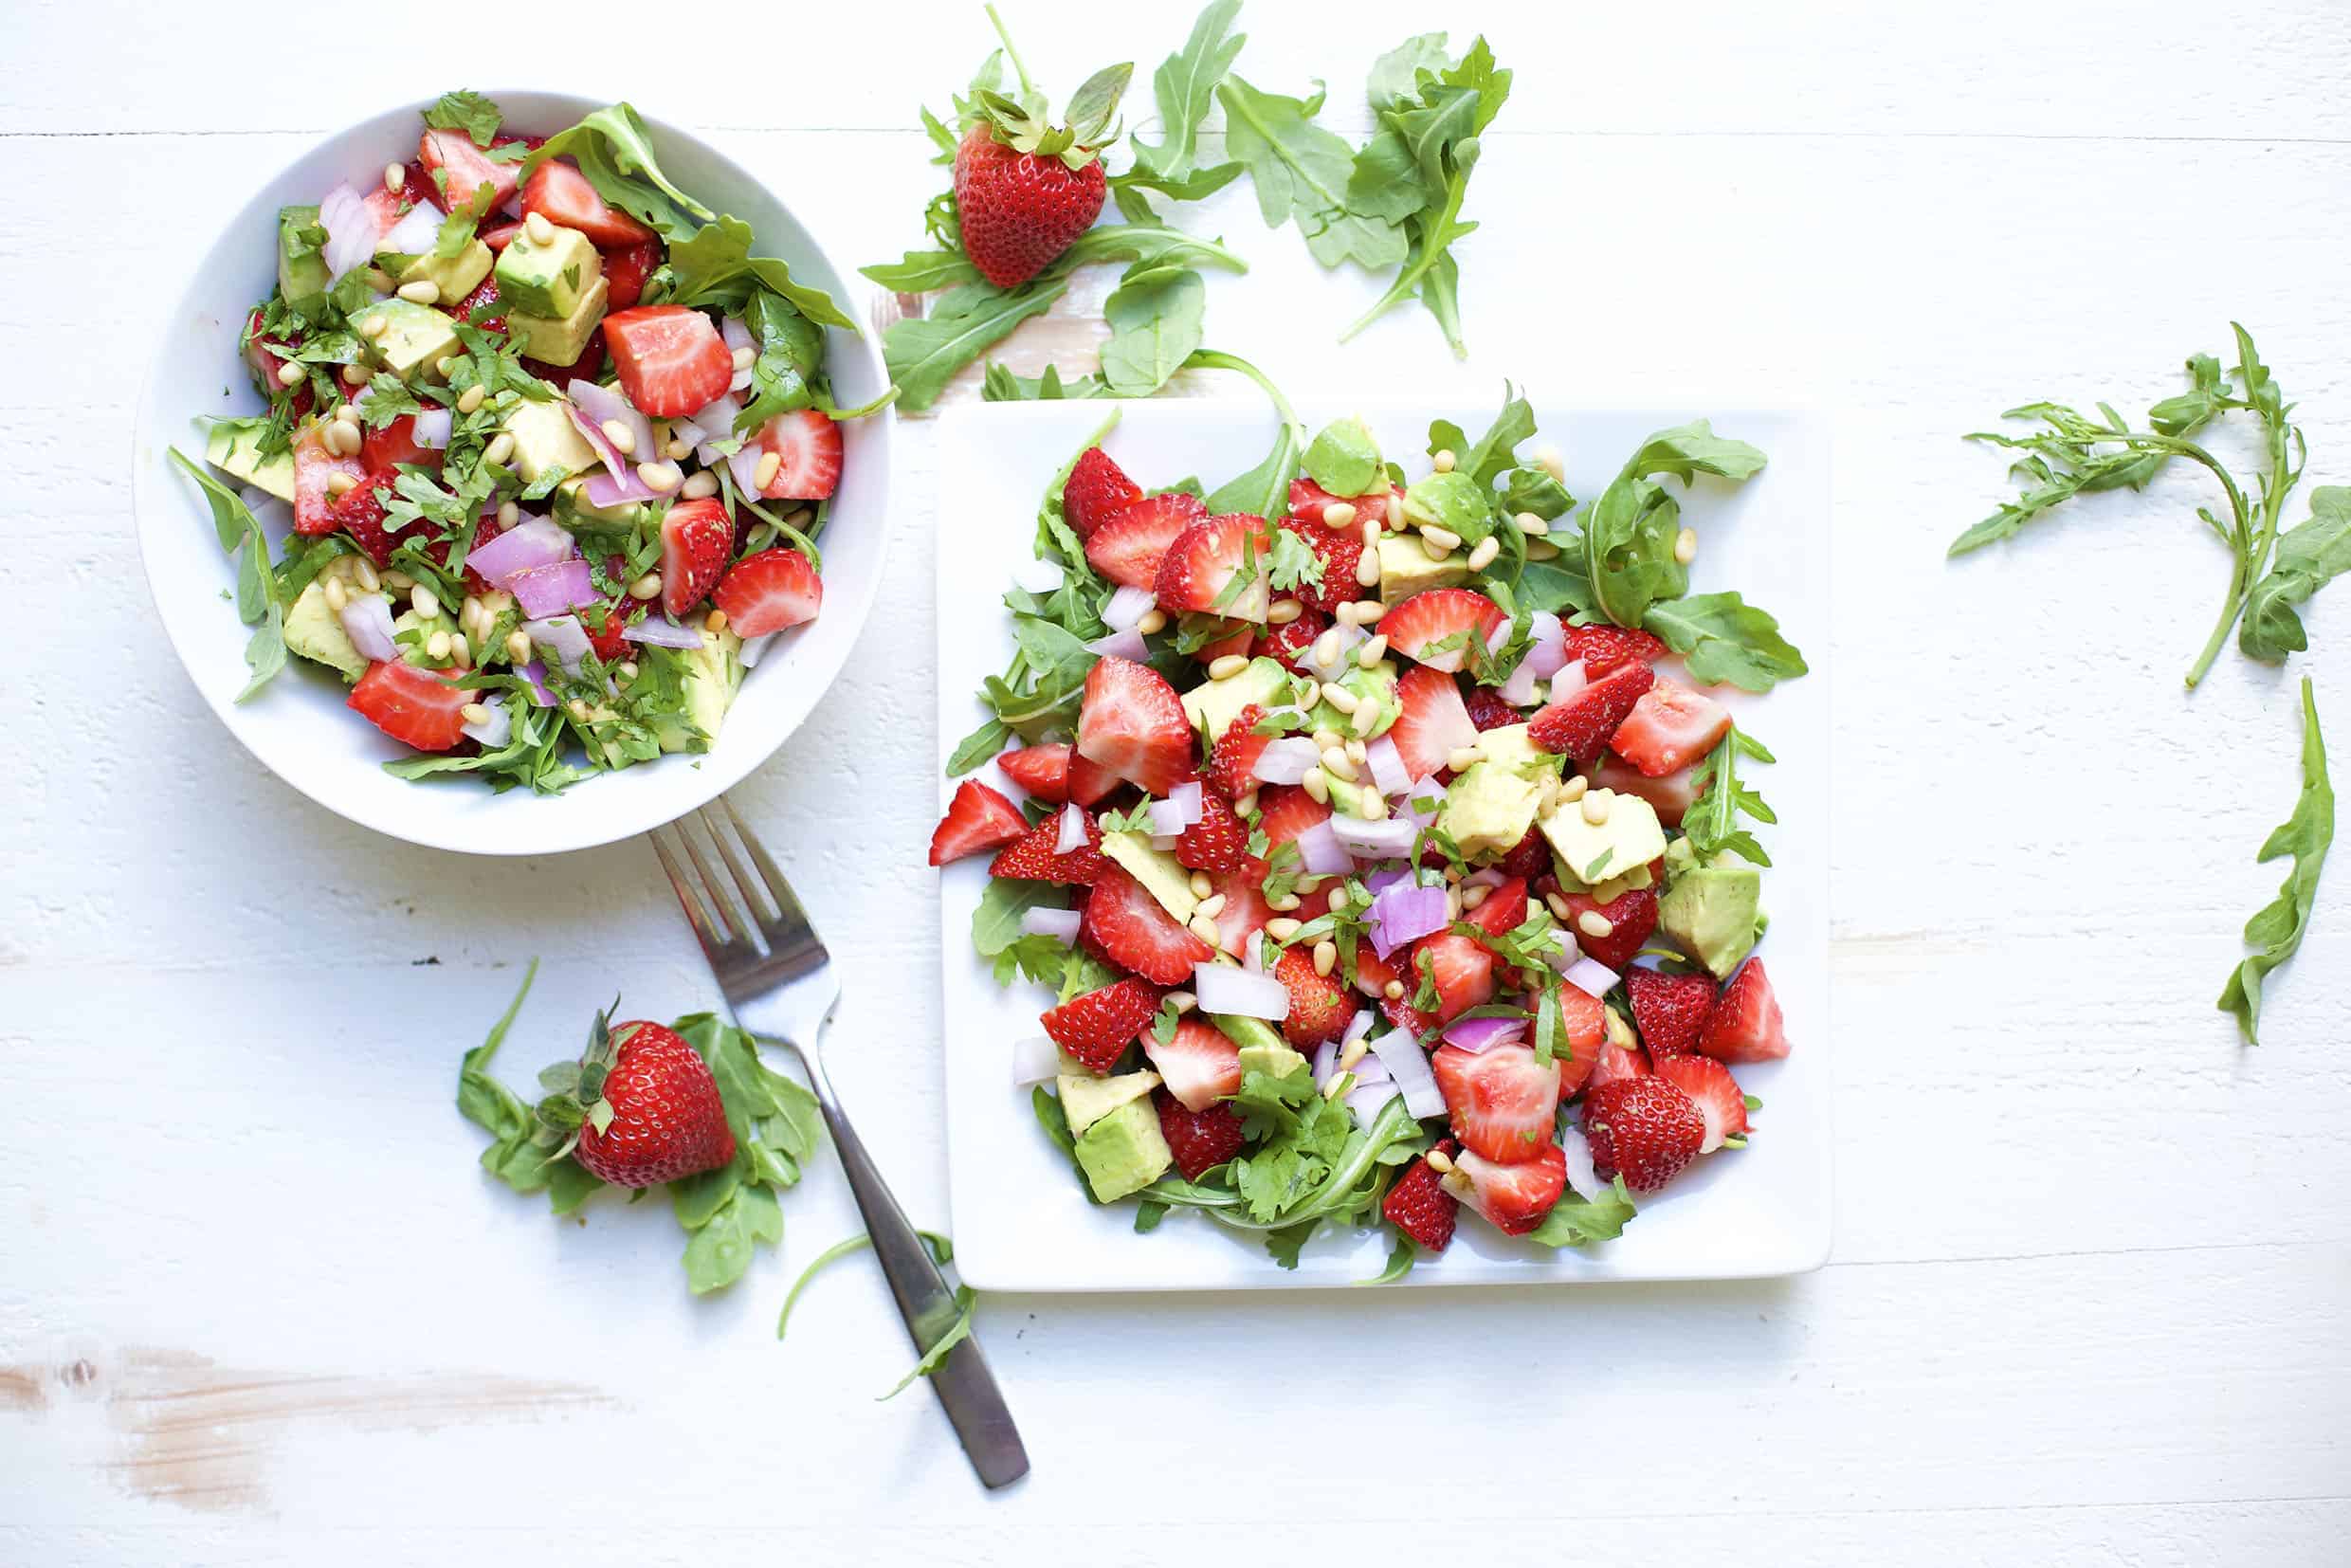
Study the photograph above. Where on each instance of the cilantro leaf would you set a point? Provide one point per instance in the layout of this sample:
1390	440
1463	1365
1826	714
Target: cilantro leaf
468	111
2276	929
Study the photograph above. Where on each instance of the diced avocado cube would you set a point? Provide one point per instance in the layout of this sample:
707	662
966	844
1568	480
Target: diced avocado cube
1488	808
1086	1098
1375	688
1405	569
1628	836
713	672
577	512
1124	1152
545	440
423	625
414	338
454	276
1156	869
547	280
1269	1055
1607	891
314	630
1511	747
1712	913
558	339
1213	706
302	279
233	446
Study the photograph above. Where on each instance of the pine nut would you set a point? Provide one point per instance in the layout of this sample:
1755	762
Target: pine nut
1337	764
354	376
1283	611
1442	460
422	292
1394	991
1318	788
1573	791
579	709
745	357
395	176
1182	1001
363	572
424	601
1281	929
1560	908
1547	458
1201	887
1340	899
1207	930
1374	806
438	645
1452	904
1592	923
442	366
1327	648
1345	614
1324	739
343	438
1212	906
676	451
348	414
1685	546
460	652
508	514
628	670
474	713
646	586
540	230
715	622
336	595
1461	758
1309	884
1369	655
1340	698
1596	804
1619	1032
764	475
1226	666
1283	905
1475	896
1339	514
1371	533
1483	556
1326	956
339	484
500	448
1354	1053
1247	805
1529	523
471	399
1368	611
519	646
660	477
1438	1162
1153	623
1356	755
375	326
1340	1083
1439	542
700	485
624	440
290	374
1367	570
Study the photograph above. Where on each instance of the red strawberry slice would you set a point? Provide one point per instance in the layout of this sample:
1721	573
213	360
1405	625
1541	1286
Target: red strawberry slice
697	538
1246	910
1284	810
1419	1206
464	168
1608	647
1200	1065
1310	502
671	361
1200	1141
1643	1129
1284	643
1129	548
1462	970
1435	626
1097	1027
1319	1007
807	444
1632	918
1670	797
1503	1103
1139	936
1504	909
1512	1198
1234	758
1340	550
1745	1025
313	508
1488	710
1431	722
414	706
1034	858
625	271
1096	491
1714	1091
1239	640
1530	857
769	591
1670	1010
978	818
1055	773
482	309
1202	562
562	195
1216	843
1579	725
1615	1063
416	186
1131	722
360	514
381	450
1583	1037
499	237
1669	728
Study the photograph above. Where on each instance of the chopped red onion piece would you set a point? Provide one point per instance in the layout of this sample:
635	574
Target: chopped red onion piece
744	465
1165	843
714	422
1379	882
754	648
1343	640
492	731
1477	1034
1421	816
532	543
1359	1026
1321	852
1569	954
1060	924
1035	1060
1518	690
1490	877
1286	759
1569	681
1389	774
431	431
1127	606
536	673
1408	1064
1404	914
1371	1070
1591	977
416	233
1168	820
1253	957
660	632
366	621
1326	1063
544	591
1549	650
562	637
737	336
351	230
1187	795
1366	1101
604	405
1121	644
1073	833
1239	993
1386	839
1581	1175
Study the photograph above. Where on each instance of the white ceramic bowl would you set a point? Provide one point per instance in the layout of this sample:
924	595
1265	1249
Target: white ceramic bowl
298	726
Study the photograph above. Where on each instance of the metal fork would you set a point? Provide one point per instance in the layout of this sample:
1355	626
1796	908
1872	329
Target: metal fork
780	984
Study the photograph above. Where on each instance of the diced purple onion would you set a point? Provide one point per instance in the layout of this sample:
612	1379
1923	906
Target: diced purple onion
1343	639
607	405
1128	606
1387	839
532	543
1371	1070
1549	650
1519	691
536	673
1120	645
1359	1026
1477	1034
561	637
1187	795
1581	1175
1428	790
1073	834
351	230
738	336
1404	914
1322	853
1489	877
660	632
1286	759
714	422
492	731
1568	956
416	233
433	428
1253	953
1326	1063
754	648
1167	819
1165	843
1060	924
1379	882
1035	1060
1239	993
1389	774
366	621
1366	1101
1569	681
1408	1064
744	465
544	591
1591	977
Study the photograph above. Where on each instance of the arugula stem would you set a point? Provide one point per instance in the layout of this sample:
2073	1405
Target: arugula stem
1211	359
1011	53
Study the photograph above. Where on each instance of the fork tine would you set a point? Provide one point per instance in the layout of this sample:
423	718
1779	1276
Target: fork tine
756	894
713	939
723	894
778	889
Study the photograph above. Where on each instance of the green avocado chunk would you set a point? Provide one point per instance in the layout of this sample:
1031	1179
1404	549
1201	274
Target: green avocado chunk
1086	1098
314	630
1213	706
547	280
1712	911
1124	1152
414	338
302	278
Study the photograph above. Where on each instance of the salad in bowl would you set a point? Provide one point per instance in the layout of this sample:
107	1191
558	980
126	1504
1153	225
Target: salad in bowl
547	450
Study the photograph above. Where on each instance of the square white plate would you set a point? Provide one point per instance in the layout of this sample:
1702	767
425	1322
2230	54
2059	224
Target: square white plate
1023	1221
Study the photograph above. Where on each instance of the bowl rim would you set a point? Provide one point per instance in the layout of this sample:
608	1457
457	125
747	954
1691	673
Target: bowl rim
692	787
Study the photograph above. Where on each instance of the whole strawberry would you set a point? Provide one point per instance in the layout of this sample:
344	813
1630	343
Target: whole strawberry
644	1105
1026	189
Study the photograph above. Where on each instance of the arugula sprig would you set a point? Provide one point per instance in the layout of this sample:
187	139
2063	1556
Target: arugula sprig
258	602
2277	928
1712	824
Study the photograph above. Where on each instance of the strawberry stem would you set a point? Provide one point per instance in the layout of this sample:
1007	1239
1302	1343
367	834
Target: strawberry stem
1011	53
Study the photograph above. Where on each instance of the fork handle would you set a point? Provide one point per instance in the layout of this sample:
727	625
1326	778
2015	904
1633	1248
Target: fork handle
965	1387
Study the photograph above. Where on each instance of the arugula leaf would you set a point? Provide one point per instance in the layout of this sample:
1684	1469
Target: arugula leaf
1001	384
1300	171
1344	459
468	111
1155	320
1711	823
1401	1253
1264	491
1575	1221
513	1155
1395	76
1629	532
921	271
2308	557
2276	929
925	352
258	605
1185	85
792	350
1726	639
715	266
615	151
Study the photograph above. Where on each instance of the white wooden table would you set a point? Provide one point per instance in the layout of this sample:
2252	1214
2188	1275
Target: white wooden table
2091	1297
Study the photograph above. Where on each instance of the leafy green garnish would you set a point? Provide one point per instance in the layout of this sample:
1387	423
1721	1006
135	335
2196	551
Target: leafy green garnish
1344	459
1629	532
715	266
2308	557
1575	1221
1185	86
468	111
1300	171
1711	823
258	605
615	151
2276	929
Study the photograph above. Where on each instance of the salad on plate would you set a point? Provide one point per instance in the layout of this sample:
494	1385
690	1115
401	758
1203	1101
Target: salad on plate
1383	838
549	450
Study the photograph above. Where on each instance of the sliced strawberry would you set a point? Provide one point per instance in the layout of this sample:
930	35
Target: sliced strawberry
1579	725
1581	1039
1340	550
1216	843
1202	562
1504	910
562	195
1042	772
625	271
1419	1206
1643	1129
414	706
1513	1199
671	361
1503	1103
1246	910
1488	711
1097	1027
1431	720
1632	918
1139	936
1096	491
312	467
769	591
1671	795
1200	1065
1034	859
1615	1063
1462	970
1241	639
1200	1141
697	538
807	445
464	168
1311	502
1284	643
1530	857
416	186
498	237
381	450
1745	1025
978	818
1435	626
1608	647
1670	1009
360	514
1372	972
1129	548
1089	781
1401	1013
1284	810
1715	1092
482	307
1319	1007
1235	753
1669	728
1131	722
